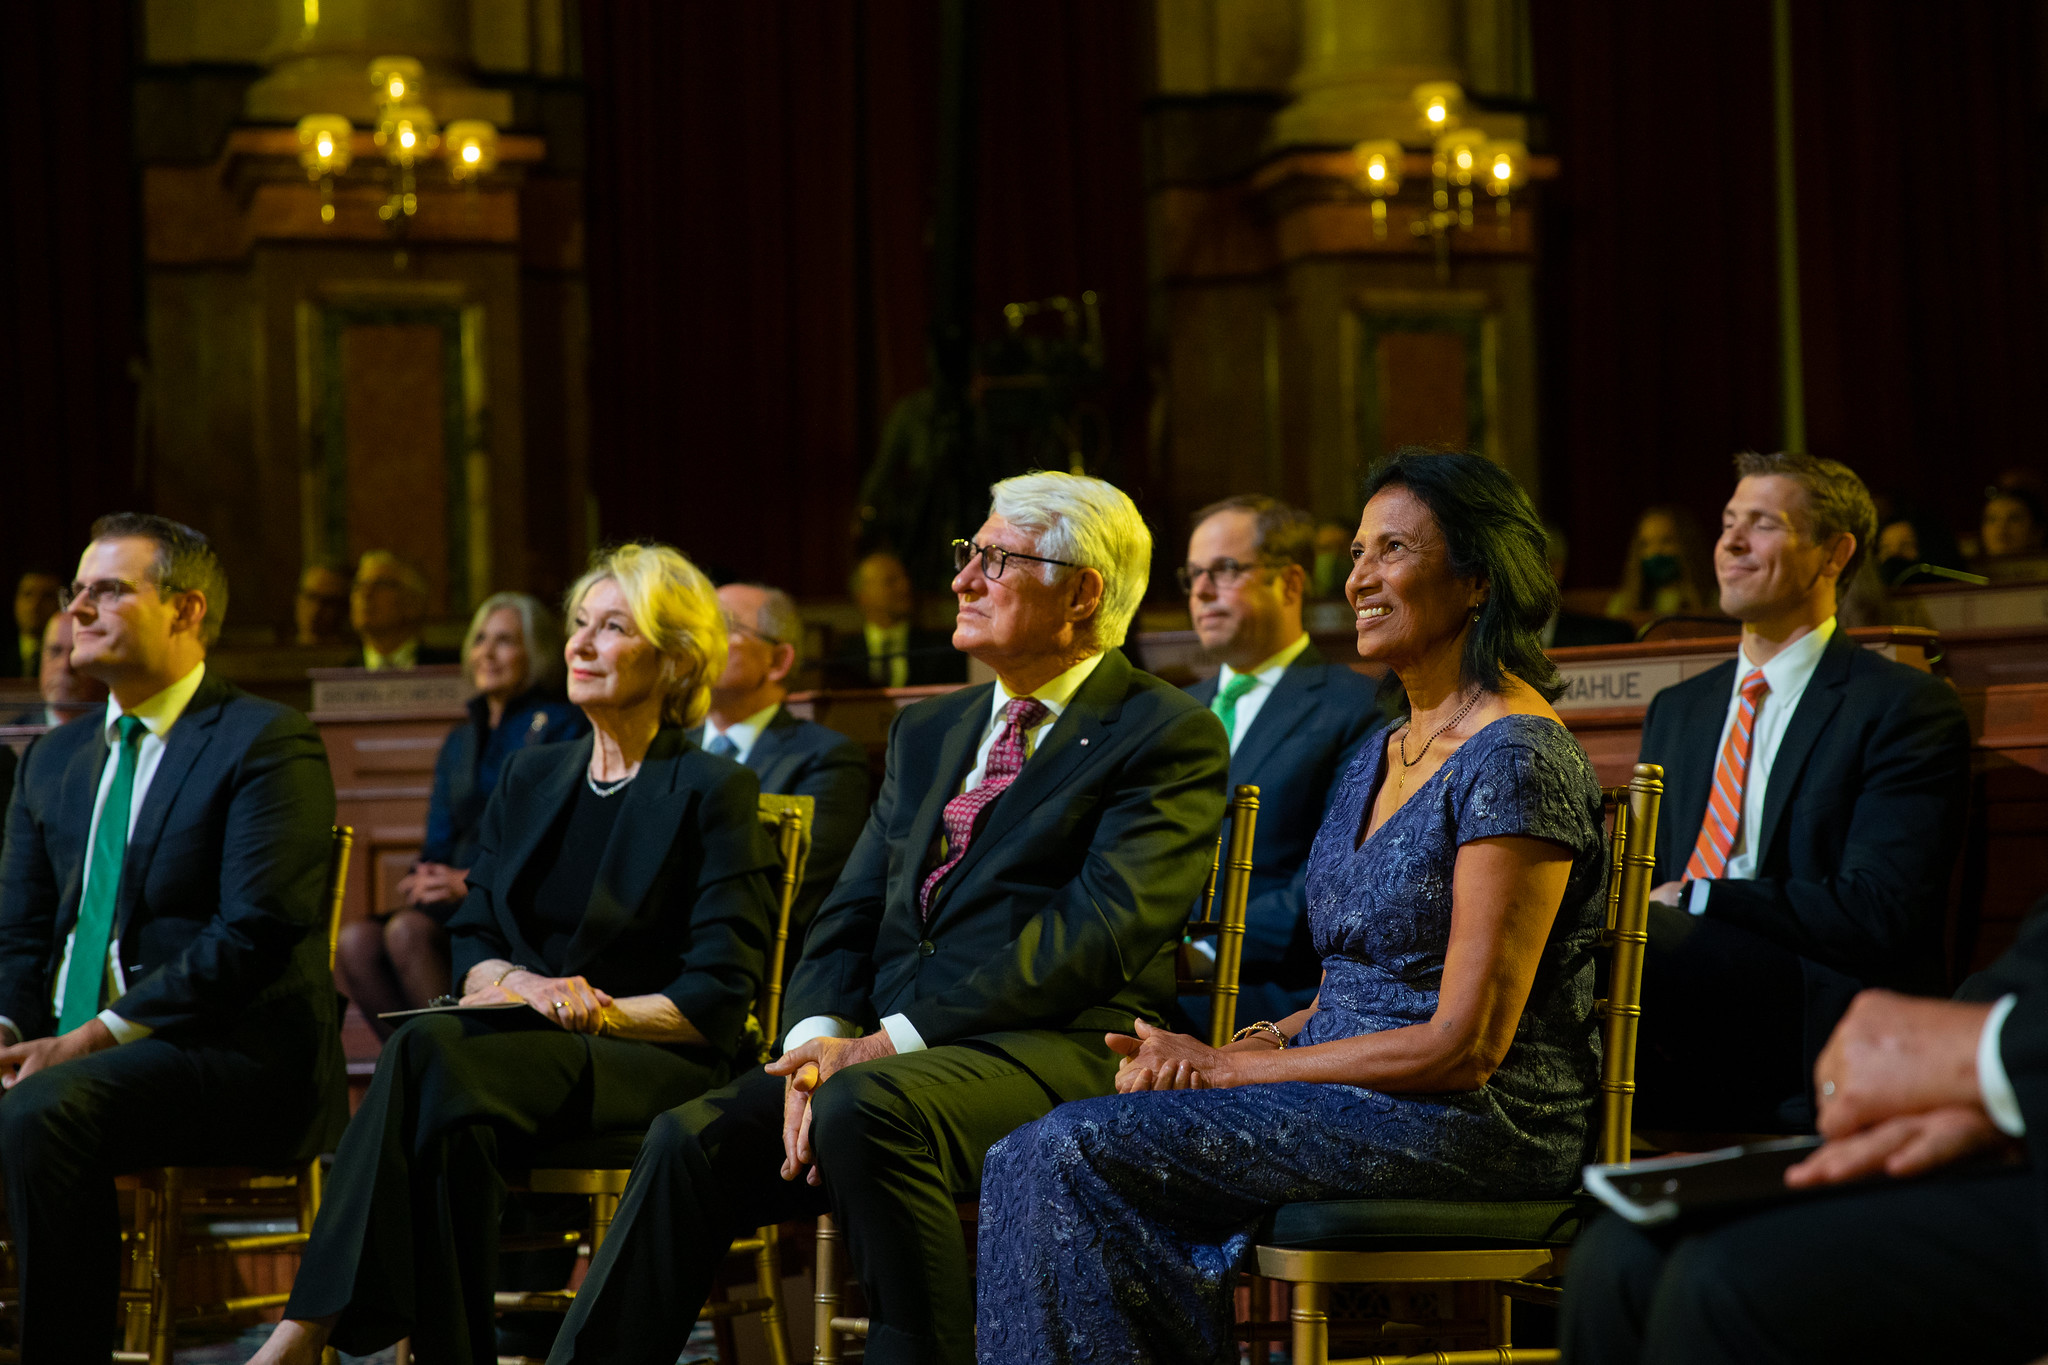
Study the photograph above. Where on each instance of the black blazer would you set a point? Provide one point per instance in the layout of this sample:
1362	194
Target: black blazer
794	757
222	910
681	904
1301	741
1861	825
2023	1041
1065	911
932	660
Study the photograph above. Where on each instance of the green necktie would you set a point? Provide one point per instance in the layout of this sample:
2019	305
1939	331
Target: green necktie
89	940
1225	705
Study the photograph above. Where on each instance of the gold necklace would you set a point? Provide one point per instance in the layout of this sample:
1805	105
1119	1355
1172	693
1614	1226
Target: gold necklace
1401	778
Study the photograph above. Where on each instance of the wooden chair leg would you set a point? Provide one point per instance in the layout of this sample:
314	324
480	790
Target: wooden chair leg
1311	1318
768	1276
1500	1321
164	1256
1261	1296
139	1274
825	1298
603	1208
401	1354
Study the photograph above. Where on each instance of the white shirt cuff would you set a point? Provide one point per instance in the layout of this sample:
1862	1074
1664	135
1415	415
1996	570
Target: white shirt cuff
817	1026
903	1034
124	1030
2000	1102
13	1030
1696	897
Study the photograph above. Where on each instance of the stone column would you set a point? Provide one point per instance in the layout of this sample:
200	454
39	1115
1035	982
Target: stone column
1360	61
320	55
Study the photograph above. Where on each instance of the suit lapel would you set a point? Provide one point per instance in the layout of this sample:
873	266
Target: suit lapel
81	790
956	758
189	738
1072	740
1701	728
767	755
1817	706
633	856
542	804
1292	702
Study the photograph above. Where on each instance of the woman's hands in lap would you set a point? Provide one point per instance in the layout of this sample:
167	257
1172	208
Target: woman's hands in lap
1158	1059
569	1001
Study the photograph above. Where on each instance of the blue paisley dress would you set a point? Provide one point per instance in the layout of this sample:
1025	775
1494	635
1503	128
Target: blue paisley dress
1112	1229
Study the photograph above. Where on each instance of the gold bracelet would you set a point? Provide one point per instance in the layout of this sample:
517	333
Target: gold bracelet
515	967
1263	1026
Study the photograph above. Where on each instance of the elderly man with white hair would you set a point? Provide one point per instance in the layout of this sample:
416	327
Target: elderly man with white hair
1018	891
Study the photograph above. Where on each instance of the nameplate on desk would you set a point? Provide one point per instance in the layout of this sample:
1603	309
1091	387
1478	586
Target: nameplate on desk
419	689
1632	683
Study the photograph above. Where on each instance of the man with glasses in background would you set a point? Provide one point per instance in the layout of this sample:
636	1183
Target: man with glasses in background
387	605
1295	721
165	996
749	724
1019	891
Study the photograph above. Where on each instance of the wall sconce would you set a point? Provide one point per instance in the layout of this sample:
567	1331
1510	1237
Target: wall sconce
1460	157
406	133
1379	175
325	153
399	80
1507	166
471	146
1439	107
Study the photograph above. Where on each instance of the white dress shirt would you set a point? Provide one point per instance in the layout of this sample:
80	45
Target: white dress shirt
1788	673
1055	696
888	653
158	715
742	733
406	655
2000	1101
1265	678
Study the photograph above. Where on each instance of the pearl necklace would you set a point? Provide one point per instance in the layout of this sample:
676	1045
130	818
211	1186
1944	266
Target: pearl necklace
608	788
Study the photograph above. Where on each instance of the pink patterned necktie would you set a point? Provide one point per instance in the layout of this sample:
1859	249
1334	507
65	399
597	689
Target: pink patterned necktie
963	812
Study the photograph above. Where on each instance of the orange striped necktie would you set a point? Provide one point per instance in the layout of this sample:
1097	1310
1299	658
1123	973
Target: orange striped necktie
1724	803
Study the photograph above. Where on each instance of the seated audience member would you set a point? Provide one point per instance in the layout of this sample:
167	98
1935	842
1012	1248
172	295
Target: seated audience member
1020	888
1567	628
67	693
891	651
387	605
1898	1269
621	891
400	961
1669	571
749	724
35	602
1333	560
2012	524
1294	720
163	932
1456	891
1905	542
321	611
1813	808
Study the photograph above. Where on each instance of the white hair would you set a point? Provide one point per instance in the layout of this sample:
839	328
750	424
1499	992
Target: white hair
1087	523
538	629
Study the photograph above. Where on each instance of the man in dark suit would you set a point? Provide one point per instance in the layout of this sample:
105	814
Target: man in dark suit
67	693
1019	890
891	651
1946	1268
35	602
1813	809
1295	720
749	724
387	605
163	945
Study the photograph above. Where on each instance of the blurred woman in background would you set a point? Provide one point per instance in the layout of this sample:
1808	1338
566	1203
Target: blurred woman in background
1670	568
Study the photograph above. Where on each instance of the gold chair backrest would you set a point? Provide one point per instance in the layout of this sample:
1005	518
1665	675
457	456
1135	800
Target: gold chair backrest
337	884
1230	881
1632	848
789	819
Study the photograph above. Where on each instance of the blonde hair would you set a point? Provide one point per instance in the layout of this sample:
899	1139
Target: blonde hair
675	607
539	631
1089	523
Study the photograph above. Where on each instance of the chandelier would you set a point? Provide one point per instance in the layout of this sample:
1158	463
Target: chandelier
1462	162
407	134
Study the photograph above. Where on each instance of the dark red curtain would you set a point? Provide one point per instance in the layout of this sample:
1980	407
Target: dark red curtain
759	216
1921	281
69	261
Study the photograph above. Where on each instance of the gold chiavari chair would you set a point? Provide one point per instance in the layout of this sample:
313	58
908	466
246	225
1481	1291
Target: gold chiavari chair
1517	1247
167	1198
1225	922
599	1169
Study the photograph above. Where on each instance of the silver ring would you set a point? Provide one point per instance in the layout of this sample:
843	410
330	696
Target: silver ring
558	1007
1827	1090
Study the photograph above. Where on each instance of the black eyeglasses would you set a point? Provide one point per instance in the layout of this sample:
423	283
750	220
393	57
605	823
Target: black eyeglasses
742	628
994	558
100	591
1224	573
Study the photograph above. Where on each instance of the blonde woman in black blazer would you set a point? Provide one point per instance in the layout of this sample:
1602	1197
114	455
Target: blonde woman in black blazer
620	894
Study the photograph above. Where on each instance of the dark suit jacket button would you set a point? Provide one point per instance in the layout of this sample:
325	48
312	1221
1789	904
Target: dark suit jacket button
925	947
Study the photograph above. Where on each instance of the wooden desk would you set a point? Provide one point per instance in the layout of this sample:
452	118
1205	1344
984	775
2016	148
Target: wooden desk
383	732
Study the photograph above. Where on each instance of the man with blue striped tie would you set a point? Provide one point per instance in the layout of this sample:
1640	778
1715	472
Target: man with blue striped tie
1813	808
165	997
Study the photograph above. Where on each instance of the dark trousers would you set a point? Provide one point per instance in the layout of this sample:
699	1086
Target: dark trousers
1723	1041
407	1239
900	1143
1943	1269
65	1133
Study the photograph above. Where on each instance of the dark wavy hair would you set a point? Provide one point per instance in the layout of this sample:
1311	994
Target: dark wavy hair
1492	533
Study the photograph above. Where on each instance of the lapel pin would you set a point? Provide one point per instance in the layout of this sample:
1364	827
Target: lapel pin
1084	741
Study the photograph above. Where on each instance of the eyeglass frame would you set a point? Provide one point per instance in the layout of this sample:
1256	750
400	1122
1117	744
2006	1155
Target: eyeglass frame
964	552
100	589
733	624
1187	575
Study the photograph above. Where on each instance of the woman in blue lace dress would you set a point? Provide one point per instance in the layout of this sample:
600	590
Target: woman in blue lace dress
1455	892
